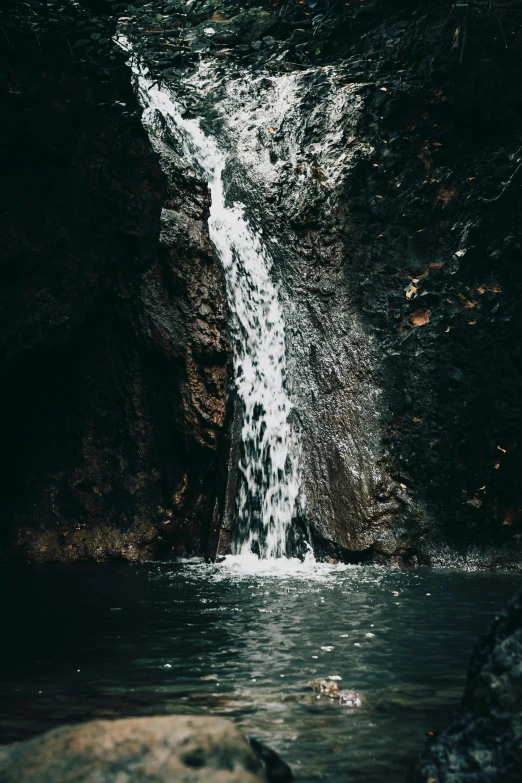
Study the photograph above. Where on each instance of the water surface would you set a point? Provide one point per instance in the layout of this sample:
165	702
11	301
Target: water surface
109	640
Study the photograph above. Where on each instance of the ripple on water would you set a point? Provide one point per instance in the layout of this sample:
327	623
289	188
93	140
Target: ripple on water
243	638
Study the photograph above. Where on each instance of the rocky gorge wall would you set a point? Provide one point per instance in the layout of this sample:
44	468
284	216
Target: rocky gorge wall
287	171
378	149
113	320
435	265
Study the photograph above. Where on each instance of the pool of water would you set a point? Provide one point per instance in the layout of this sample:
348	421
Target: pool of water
109	640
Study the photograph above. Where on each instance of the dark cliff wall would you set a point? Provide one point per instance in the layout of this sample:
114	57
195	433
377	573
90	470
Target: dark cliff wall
427	219
113	346
420	245
483	743
435	265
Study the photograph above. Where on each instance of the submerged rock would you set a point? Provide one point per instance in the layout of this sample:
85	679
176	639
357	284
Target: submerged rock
483	744
331	690
156	749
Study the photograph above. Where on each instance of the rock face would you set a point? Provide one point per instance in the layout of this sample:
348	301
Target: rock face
483	744
289	175
114	345
379	152
159	749
433	201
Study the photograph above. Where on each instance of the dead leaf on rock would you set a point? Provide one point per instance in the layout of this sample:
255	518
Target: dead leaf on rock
468	303
271	129
411	290
421	317
429	268
447	194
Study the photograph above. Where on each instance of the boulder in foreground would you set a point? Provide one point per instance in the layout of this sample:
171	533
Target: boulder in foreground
164	749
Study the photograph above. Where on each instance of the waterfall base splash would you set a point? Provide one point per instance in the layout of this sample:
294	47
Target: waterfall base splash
247	562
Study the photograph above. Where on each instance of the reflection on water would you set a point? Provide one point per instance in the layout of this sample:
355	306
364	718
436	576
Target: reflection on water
108	640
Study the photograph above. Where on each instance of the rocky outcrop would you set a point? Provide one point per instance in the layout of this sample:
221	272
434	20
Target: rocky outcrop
431	266
113	344
157	749
483	744
381	150
354	508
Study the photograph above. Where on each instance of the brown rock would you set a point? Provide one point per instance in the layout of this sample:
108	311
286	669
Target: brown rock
164	749
331	690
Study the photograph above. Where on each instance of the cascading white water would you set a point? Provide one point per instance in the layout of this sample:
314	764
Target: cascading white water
268	468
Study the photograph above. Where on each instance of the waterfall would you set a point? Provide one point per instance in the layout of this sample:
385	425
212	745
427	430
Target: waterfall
268	486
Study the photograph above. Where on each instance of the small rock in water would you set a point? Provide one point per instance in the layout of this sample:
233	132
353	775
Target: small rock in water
331	690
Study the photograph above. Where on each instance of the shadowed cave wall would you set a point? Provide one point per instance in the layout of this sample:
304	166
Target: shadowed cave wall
113	342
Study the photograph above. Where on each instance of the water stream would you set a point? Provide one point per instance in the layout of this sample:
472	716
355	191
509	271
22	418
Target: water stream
268	487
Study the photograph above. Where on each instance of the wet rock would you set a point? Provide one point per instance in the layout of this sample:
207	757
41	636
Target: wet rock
354	508
483	743
156	749
252	24
276	770
245	28
392	326
114	345
332	691
390	185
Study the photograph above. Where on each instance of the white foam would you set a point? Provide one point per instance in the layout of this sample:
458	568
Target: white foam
247	564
